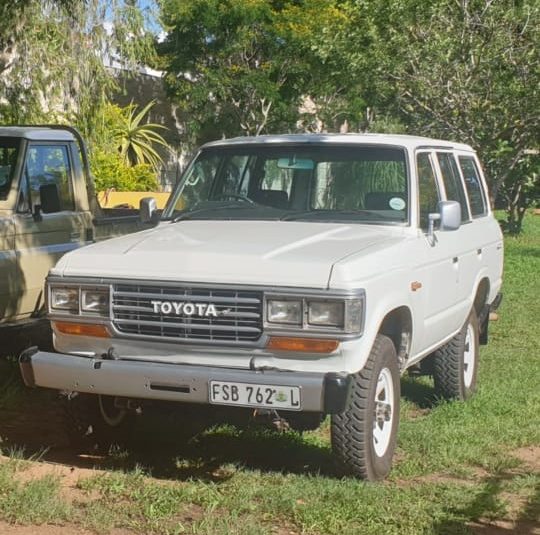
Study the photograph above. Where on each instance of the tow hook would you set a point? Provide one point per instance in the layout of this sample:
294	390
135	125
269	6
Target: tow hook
279	423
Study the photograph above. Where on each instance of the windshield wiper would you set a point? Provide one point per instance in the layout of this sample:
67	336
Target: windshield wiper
215	206
314	214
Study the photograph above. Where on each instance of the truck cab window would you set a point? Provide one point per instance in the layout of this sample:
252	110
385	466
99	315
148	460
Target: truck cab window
428	192
49	164
9	150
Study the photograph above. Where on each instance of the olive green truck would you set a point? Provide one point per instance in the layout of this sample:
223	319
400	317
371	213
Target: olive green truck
47	208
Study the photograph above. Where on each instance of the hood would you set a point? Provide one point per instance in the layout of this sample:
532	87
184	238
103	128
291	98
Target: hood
280	253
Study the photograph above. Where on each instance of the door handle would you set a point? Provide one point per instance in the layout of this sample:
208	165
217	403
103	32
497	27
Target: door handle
455	260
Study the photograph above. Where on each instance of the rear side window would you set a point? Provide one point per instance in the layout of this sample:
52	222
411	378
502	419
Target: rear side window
452	182
473	184
428	192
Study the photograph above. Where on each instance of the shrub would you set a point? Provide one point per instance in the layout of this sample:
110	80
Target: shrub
110	171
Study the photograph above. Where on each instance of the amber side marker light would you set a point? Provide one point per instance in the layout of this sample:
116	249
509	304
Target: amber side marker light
306	345
82	329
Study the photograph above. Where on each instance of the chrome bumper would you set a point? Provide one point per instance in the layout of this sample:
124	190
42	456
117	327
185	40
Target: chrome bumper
326	393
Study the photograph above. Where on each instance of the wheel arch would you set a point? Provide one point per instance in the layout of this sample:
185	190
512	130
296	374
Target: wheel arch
398	326
481	307
482	294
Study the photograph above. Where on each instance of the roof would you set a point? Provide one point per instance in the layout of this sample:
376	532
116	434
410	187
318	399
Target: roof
34	133
410	142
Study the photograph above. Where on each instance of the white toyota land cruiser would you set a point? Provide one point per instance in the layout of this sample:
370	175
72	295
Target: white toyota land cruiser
298	273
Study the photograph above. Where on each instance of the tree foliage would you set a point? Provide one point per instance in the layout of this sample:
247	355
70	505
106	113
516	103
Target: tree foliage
469	71
54	68
238	67
54	57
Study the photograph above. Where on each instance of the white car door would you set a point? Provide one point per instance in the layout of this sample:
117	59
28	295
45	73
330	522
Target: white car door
436	269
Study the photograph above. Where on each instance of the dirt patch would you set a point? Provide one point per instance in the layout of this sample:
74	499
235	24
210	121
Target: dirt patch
68	477
529	456
503	527
49	529
523	516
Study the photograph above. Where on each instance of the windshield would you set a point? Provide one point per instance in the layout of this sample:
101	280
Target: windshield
327	182
9	150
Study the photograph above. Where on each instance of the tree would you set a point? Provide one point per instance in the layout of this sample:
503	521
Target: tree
468	70
237	67
54	57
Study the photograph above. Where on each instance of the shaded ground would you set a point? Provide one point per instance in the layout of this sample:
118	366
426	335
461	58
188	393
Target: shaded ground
157	441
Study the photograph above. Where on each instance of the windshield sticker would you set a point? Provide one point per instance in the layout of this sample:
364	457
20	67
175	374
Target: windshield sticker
396	203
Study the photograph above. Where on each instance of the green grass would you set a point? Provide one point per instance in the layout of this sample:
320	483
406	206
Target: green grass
455	461
36	501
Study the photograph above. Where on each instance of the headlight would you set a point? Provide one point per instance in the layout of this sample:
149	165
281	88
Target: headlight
284	311
65	299
95	301
326	313
340	315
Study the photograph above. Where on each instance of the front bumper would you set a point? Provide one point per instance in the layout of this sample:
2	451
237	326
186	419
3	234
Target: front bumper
328	393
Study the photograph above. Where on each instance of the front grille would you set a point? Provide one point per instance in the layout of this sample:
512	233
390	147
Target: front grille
239	313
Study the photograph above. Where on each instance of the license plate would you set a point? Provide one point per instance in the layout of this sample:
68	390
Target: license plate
255	395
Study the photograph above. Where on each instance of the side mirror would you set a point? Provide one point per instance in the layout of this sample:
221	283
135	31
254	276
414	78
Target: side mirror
450	215
50	198
147	209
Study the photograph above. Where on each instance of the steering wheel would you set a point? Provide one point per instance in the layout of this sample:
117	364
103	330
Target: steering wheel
237	196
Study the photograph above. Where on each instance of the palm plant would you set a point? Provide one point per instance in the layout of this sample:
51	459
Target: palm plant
136	141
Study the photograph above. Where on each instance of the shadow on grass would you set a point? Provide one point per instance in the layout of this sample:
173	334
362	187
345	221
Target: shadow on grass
419	390
487	504
213	454
165	445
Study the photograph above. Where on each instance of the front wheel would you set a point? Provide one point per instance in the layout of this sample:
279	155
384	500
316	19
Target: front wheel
364	435
94	422
455	364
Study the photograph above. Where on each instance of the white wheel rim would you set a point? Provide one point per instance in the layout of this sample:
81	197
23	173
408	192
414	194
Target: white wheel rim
112	420
384	412
469	354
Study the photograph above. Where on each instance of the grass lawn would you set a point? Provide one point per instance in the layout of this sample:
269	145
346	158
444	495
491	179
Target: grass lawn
461	467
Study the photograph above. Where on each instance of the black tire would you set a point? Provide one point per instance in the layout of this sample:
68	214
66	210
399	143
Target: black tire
87	427
352	431
454	373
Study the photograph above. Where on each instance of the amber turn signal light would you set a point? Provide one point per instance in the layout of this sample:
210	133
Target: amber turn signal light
304	345
82	329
